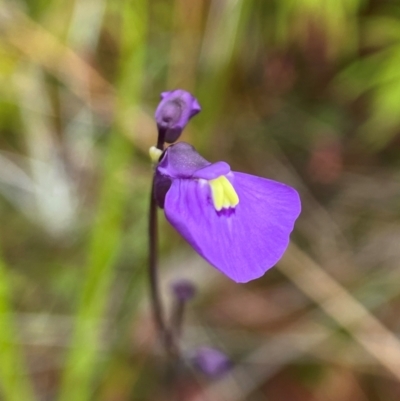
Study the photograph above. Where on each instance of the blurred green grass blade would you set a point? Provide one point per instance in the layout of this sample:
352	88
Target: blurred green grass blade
337	19
384	120
14	382
81	362
225	33
77	381
381	31
133	49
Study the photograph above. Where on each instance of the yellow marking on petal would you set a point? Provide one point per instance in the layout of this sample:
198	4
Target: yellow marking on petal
155	154
217	192
223	193
226	204
229	191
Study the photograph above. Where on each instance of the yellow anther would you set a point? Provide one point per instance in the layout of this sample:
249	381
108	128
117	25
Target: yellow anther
155	154
223	193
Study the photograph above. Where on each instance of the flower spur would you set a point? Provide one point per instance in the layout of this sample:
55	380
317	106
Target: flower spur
238	222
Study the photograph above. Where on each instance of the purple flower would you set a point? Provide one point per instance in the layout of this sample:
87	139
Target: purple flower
211	362
174	111
238	222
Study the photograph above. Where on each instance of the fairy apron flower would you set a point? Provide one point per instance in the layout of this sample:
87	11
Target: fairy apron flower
238	222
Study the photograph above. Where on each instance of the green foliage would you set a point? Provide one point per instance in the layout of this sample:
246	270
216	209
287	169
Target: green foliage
83	360
106	235
335	21
377	76
14	382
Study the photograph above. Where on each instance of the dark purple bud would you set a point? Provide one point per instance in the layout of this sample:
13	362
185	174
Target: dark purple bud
174	111
184	290
211	361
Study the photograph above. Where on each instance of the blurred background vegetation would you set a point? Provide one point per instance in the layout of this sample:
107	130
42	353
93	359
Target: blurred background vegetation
302	91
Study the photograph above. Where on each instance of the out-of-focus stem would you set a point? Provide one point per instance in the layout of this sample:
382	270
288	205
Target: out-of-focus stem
177	317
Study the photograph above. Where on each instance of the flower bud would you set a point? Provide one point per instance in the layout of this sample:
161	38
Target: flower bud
211	361
184	290
174	111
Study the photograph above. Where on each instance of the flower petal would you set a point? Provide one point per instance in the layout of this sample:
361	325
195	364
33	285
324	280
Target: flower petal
243	242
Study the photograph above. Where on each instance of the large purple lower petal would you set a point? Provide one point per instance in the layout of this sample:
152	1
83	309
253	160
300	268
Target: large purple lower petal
244	242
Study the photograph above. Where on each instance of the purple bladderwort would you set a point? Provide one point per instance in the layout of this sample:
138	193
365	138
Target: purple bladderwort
238	222
174	111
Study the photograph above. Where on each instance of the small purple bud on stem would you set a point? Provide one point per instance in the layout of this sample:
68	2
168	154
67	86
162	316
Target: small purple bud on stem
211	361
174	111
184	290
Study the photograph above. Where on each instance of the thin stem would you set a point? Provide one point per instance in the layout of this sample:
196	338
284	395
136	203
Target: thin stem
165	335
153	268
161	139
